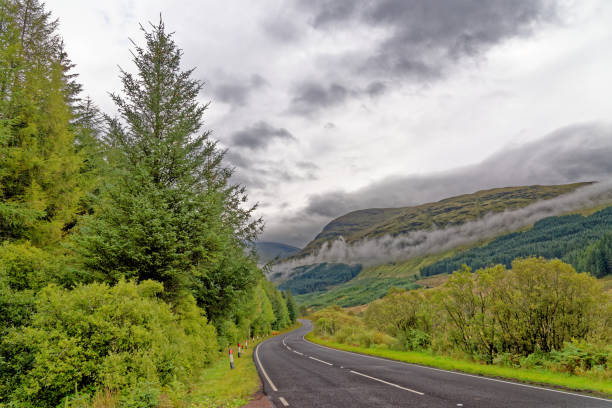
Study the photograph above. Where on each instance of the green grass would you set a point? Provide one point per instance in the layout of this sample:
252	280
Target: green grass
221	387
536	376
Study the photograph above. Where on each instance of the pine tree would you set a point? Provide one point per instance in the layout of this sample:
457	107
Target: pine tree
40	168
169	213
291	306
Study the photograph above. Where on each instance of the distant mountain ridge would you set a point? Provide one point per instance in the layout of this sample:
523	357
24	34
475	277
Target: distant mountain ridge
268	251
377	222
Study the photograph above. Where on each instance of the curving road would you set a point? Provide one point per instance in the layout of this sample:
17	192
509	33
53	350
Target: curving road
298	373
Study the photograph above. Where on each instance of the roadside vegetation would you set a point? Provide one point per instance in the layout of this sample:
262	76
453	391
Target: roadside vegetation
539	321
126	267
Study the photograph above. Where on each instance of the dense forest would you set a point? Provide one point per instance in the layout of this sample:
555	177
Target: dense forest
125	262
584	242
318	277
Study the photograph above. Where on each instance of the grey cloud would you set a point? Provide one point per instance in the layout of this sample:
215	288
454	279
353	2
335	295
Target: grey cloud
571	154
237	91
260	135
376	88
237	160
425	40
426	37
311	97
305	165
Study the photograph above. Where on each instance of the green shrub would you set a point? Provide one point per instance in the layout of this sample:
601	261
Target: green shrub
415	339
116	338
581	356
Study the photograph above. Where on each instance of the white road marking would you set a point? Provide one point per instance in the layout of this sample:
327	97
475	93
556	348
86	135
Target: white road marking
459	405
457	373
320	361
289	348
284	401
386	382
297	352
264	371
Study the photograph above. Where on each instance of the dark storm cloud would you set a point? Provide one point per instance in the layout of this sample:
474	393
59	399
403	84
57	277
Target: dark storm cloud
260	135
571	154
236	91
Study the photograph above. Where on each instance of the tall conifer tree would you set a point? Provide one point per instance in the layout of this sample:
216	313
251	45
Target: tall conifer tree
170	213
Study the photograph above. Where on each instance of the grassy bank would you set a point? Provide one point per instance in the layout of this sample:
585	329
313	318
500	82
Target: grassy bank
536	376
221	387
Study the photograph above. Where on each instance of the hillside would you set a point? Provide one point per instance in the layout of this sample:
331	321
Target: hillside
377	222
268	251
572	238
583	240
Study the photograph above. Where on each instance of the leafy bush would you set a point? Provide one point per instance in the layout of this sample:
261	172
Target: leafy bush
113	338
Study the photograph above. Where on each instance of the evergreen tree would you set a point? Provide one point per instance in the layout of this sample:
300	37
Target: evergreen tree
169	212
40	168
292	308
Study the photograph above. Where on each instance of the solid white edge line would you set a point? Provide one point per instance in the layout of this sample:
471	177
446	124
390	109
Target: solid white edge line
386	382
284	401
465	374
297	352
262	369
320	361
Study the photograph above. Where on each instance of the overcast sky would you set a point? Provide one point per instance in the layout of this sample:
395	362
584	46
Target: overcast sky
329	106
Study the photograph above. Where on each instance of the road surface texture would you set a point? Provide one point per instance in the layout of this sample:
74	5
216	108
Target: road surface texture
298	373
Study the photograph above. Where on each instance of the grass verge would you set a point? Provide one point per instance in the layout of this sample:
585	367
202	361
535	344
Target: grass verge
221	387
534	376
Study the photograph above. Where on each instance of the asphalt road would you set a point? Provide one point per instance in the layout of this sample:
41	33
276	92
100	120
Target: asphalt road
297	373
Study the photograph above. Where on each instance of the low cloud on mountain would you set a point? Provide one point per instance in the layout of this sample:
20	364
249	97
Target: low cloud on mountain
574	153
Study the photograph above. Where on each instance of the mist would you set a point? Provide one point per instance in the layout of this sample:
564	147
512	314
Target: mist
370	252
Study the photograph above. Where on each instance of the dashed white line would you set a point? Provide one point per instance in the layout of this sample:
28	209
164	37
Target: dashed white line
320	361
264	371
386	382
297	352
458	373
284	401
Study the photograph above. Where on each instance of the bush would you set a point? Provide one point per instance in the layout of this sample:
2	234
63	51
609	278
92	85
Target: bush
415	339
580	356
97	337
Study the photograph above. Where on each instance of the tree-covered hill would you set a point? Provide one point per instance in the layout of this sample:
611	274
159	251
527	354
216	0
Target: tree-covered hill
377	222
318	277
585	242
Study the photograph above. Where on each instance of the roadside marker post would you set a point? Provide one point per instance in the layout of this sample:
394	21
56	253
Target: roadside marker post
239	350
231	356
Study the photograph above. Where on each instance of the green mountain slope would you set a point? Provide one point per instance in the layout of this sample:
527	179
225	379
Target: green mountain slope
376	222
268	251
567	237
585	241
